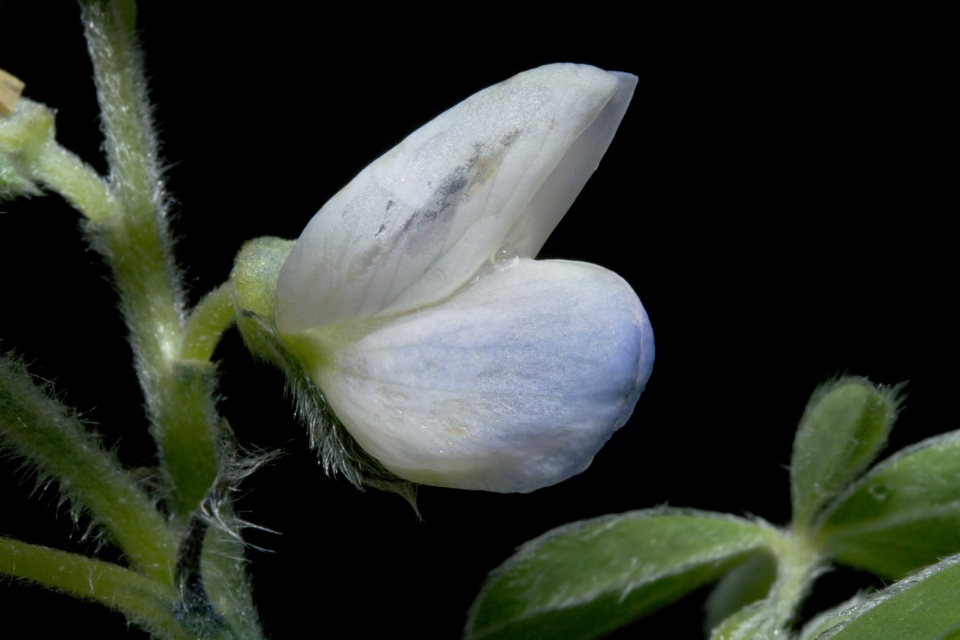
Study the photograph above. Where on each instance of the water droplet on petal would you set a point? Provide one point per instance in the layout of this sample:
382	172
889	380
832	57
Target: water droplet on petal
879	491
505	257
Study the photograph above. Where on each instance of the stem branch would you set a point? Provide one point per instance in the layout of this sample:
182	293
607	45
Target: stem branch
207	323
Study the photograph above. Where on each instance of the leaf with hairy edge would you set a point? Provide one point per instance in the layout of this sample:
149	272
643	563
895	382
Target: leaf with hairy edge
843	428
585	579
904	514
923	606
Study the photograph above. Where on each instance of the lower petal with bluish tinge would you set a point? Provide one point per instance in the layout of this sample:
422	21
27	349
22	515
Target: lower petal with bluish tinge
511	384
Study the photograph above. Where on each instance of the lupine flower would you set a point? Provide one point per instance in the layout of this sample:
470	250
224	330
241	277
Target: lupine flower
413	300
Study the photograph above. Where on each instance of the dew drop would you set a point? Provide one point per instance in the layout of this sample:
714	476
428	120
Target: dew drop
505	257
879	491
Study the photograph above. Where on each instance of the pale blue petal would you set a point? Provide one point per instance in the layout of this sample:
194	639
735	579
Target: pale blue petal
511	384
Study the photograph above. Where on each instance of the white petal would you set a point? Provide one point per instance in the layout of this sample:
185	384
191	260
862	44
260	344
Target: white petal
416	224
512	384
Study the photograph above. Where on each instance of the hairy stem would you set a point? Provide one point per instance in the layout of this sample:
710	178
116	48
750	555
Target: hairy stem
27	136
207	323
65	173
138	247
186	431
127	223
137	241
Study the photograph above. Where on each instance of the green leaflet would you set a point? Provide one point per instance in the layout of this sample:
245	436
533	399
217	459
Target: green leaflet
843	428
903	514
585	579
925	606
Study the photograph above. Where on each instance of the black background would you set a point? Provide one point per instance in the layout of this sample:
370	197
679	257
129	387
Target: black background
775	196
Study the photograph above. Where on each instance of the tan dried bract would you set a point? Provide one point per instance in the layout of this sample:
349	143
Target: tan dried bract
11	88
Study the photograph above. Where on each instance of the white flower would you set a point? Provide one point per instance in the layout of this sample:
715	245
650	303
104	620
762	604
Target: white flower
413	300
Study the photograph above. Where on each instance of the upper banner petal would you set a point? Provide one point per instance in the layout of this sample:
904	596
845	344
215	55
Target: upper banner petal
416	224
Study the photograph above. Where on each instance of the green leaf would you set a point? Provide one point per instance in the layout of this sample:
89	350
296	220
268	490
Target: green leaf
585	579
843	428
902	515
744	585
921	607
952	634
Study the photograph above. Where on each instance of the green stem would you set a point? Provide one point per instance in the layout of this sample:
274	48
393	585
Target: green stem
207	323
186	431
141	599
27	136
226	581
179	395
798	565
137	241
128	226
66	174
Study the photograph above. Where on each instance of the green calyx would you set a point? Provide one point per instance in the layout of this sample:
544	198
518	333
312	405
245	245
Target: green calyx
254	278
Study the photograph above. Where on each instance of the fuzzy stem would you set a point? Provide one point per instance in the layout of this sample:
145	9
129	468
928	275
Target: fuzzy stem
137	241
207	323
137	245
65	173
799	562
27	136
141	599
186	433
128	226
227	584
49	435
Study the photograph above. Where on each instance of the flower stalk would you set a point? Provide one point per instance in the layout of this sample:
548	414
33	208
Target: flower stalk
126	220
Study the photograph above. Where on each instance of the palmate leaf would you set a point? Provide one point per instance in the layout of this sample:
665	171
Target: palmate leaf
902	515
925	606
585	579
843	428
